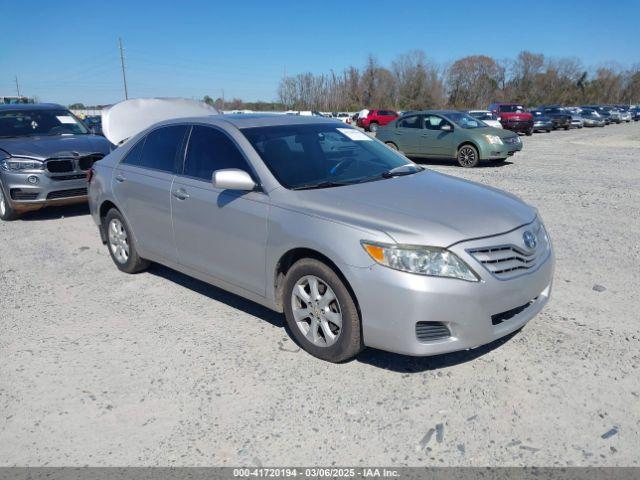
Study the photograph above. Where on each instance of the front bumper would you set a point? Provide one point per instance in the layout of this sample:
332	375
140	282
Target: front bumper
393	302
517	125
542	126
49	190
490	151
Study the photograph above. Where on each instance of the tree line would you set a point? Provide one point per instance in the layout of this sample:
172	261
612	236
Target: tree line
412	81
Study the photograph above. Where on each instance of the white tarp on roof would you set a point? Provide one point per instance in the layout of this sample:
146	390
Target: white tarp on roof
126	119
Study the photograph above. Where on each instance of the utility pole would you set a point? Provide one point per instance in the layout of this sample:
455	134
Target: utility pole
223	99
124	76
17	86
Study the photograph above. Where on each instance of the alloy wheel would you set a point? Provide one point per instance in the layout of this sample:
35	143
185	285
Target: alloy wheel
118	241
316	311
467	156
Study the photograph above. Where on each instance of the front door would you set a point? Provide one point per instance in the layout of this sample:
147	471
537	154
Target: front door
434	141
221	233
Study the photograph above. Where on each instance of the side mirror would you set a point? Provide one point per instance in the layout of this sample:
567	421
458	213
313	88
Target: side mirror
446	128
232	179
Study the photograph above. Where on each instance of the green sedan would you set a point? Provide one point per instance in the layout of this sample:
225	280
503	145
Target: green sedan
449	134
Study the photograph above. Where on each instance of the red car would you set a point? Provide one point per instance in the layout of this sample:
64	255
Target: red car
375	119
513	117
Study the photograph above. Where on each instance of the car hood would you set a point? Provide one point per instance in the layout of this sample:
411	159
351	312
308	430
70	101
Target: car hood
54	146
426	208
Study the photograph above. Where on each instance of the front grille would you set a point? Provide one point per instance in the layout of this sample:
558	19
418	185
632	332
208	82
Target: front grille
18	194
60	166
498	318
508	261
77	176
64	165
431	331
86	162
74	192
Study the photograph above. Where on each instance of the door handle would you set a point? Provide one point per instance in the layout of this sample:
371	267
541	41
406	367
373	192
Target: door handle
120	178
180	194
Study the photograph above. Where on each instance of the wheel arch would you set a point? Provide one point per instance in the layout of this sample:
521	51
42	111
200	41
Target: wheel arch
290	257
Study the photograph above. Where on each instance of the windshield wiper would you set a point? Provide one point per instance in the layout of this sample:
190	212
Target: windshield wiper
314	186
407	169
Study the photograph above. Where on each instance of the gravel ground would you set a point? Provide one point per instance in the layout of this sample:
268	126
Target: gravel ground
102	368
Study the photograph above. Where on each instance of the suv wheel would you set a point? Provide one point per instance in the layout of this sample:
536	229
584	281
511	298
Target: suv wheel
7	213
373	127
121	245
529	132
468	156
320	312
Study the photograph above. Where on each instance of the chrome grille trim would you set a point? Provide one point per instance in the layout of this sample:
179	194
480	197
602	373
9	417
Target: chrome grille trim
509	261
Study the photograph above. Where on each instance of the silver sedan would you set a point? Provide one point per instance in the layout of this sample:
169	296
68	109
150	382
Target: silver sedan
354	243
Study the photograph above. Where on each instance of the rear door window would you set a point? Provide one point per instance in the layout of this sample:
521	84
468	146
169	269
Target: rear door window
160	151
414	121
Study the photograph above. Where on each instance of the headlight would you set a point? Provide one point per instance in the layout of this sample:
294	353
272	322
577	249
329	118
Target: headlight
13	164
431	261
493	139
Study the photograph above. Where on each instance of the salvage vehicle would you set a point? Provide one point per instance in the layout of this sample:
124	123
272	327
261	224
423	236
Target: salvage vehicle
487	117
45	154
376	118
357	245
558	115
449	134
513	117
541	123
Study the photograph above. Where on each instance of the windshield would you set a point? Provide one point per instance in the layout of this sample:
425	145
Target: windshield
512	108
30	123
484	115
317	156
465	121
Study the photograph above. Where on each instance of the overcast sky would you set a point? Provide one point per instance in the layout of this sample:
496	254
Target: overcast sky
67	51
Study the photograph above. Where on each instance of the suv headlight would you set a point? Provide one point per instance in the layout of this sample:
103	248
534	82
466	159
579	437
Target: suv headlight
14	164
493	139
430	261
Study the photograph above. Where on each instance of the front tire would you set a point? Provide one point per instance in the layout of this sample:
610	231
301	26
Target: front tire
392	146
321	312
7	213
468	156
373	127
121	246
529	132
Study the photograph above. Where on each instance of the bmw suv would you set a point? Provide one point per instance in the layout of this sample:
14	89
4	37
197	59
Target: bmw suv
45	154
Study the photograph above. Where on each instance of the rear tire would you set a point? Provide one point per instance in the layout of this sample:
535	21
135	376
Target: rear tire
7	213
467	156
392	146
321	312
567	127
529	132
121	245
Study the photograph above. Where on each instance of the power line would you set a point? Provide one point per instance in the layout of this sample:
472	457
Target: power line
124	76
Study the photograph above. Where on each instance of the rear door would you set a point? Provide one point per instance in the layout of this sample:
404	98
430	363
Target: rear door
408	133
142	186
221	233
